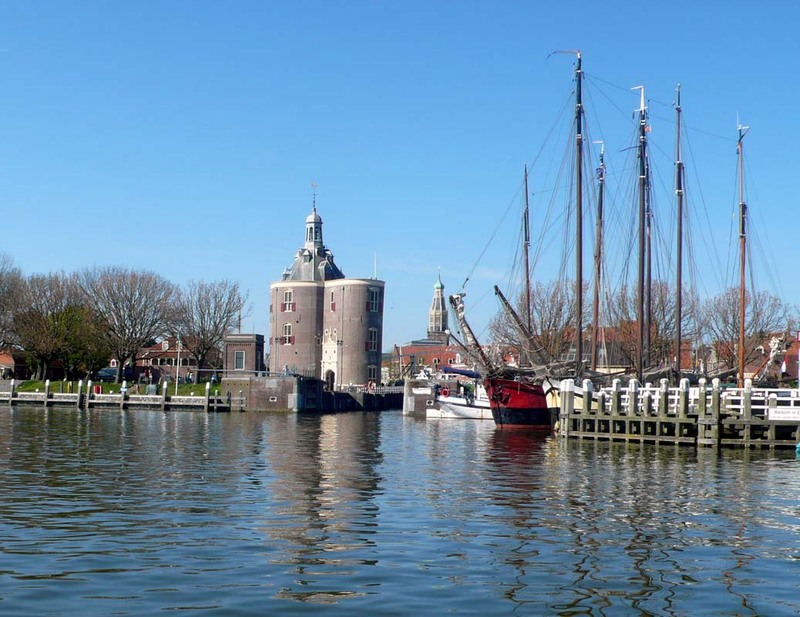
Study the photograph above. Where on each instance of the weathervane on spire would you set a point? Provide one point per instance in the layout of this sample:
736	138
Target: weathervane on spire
314	196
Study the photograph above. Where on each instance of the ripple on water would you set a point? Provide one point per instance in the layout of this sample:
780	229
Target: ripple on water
134	513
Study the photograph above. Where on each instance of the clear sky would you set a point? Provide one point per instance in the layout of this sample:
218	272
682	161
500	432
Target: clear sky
183	137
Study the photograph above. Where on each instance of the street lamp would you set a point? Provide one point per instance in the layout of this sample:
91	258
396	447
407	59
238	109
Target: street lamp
178	366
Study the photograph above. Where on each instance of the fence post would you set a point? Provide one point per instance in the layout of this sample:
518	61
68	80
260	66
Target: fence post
633	398
646	406
616	397
702	399
683	398
747	400
771	429
588	388
601	403
716	412
567	401
663	399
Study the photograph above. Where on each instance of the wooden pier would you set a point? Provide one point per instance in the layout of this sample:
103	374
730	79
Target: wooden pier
87	397
706	415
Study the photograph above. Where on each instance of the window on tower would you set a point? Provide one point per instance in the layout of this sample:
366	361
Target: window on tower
288	305
372	340
374	300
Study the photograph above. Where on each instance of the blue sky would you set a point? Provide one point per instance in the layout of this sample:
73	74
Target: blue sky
183	137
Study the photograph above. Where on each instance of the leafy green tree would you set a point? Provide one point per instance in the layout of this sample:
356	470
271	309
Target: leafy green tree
87	349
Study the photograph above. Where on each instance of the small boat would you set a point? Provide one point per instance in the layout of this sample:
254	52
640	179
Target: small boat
461	405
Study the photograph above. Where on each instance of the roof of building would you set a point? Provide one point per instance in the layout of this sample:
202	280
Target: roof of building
313	261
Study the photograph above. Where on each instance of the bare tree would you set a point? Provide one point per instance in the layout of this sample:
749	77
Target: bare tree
205	313
765	315
622	317
10	289
46	318
134	307
552	320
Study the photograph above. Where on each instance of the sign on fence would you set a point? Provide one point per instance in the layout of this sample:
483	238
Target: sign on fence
784	413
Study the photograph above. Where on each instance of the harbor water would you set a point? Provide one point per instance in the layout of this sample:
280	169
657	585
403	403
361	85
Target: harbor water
142	512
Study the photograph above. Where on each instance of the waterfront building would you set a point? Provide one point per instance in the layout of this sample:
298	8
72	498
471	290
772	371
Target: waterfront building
13	365
170	357
243	353
323	324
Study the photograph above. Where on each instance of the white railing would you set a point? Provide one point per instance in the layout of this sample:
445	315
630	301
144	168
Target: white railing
771	403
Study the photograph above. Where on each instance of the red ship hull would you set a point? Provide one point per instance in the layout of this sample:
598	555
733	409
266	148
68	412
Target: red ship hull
518	405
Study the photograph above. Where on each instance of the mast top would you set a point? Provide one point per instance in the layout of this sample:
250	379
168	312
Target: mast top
575	52
642	107
741	128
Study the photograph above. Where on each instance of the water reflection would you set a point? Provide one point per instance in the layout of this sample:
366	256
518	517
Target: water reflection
139	512
623	527
323	515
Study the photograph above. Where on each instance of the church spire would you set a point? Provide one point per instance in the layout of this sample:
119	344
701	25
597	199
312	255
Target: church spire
437	317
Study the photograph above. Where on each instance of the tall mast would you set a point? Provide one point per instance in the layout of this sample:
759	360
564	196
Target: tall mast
598	256
457	302
742	250
578	217
648	286
527	246
640	291
679	239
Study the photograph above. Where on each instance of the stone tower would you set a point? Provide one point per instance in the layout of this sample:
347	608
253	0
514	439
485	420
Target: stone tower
437	316
323	324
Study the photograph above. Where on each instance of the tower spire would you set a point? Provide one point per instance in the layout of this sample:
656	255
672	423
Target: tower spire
437	317
314	224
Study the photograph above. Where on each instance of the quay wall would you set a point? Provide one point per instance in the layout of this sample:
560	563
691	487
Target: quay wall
281	393
88	396
296	393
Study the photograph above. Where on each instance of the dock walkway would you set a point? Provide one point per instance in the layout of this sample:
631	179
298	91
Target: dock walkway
706	415
89	398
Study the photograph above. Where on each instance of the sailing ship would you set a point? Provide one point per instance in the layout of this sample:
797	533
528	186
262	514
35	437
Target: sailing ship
583	366
518	395
516	402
